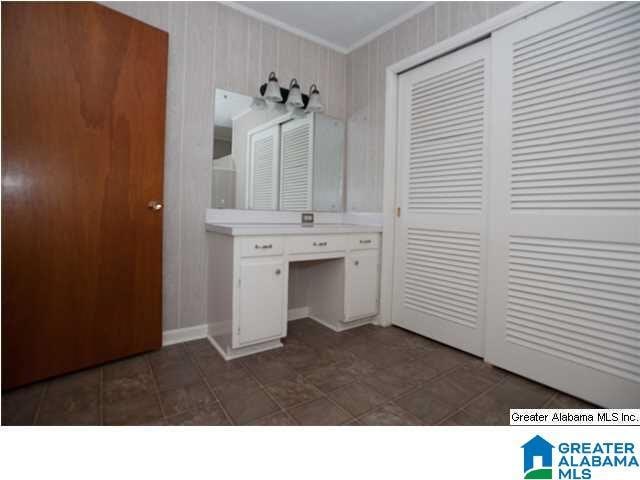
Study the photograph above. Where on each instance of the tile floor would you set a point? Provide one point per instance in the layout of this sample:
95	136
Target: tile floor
365	376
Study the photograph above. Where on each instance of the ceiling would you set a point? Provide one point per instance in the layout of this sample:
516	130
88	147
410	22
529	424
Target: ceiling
342	26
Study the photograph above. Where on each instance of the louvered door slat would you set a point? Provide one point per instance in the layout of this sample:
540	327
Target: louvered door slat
264	169
441	251
296	160
565	201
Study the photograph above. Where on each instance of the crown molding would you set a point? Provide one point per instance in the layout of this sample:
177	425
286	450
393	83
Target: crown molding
284	26
390	25
321	41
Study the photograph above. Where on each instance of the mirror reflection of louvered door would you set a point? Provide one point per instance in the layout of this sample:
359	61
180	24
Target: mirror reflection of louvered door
439	268
296	164
263	174
564	254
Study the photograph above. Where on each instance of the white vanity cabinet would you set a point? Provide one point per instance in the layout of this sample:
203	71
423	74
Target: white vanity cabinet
362	284
261	290
248	281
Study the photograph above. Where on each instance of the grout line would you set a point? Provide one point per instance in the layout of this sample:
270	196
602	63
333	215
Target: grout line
212	390
45	389
466	404
156	388
550	399
101	399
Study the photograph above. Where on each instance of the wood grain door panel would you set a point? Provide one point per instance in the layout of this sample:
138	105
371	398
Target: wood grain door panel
83	111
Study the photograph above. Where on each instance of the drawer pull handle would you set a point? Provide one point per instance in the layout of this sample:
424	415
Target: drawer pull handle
319	244
365	241
356	263
263	246
278	271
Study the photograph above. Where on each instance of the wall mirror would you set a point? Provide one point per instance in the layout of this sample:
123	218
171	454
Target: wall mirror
266	157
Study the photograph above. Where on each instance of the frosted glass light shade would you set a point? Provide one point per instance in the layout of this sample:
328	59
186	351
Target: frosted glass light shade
295	95
258	103
273	89
315	104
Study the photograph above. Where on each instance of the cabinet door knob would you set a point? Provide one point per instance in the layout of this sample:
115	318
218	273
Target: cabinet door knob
278	271
356	263
153	205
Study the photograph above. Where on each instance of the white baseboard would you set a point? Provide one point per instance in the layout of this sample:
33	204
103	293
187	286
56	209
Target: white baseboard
244	351
297	313
179	335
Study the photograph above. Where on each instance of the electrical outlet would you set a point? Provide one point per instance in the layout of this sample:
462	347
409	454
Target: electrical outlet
307	218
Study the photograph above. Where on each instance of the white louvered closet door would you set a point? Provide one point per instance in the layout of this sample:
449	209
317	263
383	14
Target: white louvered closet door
263	174
439	269
564	250
296	160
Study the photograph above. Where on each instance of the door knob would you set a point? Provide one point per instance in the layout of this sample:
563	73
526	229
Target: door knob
153	205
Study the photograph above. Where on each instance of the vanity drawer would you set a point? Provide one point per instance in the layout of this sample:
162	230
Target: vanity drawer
261	246
316	243
365	241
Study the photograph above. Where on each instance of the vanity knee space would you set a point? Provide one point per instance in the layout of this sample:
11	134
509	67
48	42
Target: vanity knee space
248	304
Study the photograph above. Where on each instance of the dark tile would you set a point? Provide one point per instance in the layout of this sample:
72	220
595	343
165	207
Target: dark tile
72	381
279	419
143	410
320	412
301	357
416	370
446	359
201	347
492	407
388	383
19	406
202	415
459	419
330	377
357	367
337	354
388	415
426	406
457	388
518	392
224	374
79	406
356	398
174	375
487	410
210	363
166	356
271	370
123	388
381	355
480	368
238	386
126	368
560	400
245	406
186	398
289	392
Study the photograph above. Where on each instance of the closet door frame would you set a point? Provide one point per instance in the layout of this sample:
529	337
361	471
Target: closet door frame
390	191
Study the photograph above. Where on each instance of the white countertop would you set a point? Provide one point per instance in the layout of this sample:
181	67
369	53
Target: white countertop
235	229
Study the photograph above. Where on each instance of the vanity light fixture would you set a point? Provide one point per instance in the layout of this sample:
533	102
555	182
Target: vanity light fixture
294	99
272	93
314	104
291	99
258	103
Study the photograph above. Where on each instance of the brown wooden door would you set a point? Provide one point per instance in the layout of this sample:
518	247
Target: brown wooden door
83	109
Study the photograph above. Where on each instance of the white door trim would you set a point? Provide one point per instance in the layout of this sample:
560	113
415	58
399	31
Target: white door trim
390	135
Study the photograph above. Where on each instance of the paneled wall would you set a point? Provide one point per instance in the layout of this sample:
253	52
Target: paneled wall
366	88
211	45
